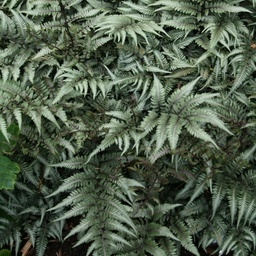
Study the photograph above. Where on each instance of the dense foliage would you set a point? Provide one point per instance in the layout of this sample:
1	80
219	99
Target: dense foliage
137	117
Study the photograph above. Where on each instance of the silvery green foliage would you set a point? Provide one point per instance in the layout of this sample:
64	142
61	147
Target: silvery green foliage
141	113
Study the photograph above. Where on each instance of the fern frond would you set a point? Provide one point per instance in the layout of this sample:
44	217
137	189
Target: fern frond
157	94
186	239
182	92
43	52
195	130
217	196
161	130
36	118
121	25
181	6
186	23
174	129
49	115
3	128
41	242
224	7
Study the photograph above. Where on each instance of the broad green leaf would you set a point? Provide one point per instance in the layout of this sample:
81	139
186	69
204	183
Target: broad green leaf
8	172
5	252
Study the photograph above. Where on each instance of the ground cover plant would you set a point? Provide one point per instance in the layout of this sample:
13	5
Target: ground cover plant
135	118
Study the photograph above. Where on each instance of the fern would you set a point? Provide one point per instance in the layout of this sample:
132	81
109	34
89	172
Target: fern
38	228
141	112
112	219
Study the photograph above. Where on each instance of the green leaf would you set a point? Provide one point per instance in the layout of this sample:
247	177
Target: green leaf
6	146
5	252
8	172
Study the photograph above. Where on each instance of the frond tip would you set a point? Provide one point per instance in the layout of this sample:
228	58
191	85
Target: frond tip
3	127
